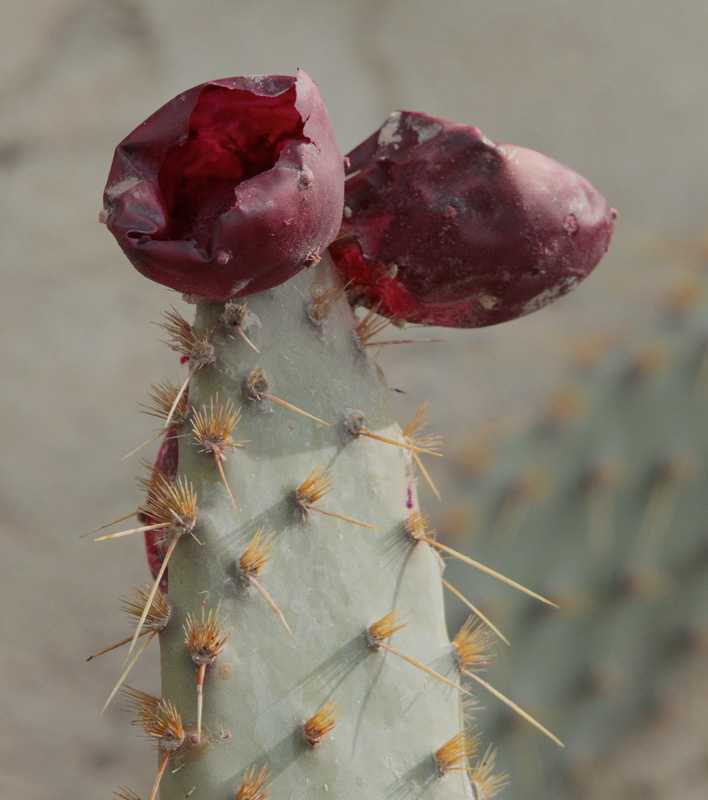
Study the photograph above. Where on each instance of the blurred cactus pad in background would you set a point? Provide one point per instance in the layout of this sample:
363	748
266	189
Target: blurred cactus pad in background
598	501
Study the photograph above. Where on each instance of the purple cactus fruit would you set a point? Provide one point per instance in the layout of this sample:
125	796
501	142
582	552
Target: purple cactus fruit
444	227
230	188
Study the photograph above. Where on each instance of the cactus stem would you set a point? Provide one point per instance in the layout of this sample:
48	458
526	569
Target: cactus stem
456	751
314	488
484	784
255	787
474	608
256	389
382	629
321	723
416	528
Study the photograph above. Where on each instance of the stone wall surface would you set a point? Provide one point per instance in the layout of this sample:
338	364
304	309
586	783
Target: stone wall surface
614	89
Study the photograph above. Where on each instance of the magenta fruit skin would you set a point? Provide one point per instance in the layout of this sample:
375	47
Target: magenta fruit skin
444	227
230	188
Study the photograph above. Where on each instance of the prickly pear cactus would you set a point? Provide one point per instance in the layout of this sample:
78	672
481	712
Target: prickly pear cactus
303	639
601	504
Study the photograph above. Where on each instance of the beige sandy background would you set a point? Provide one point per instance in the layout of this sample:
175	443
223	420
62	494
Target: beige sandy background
616	89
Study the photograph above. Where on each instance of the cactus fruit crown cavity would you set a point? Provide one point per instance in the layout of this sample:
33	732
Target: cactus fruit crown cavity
302	636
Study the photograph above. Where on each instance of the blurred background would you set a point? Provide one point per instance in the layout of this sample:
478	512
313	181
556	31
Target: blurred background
617	90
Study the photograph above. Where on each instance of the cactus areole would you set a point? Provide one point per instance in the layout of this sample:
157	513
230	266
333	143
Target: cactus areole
303	641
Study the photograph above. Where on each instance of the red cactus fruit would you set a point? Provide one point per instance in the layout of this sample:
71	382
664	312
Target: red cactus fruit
230	188
444	227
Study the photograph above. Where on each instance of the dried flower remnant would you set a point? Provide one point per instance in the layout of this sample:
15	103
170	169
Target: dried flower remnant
230	188
444	227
